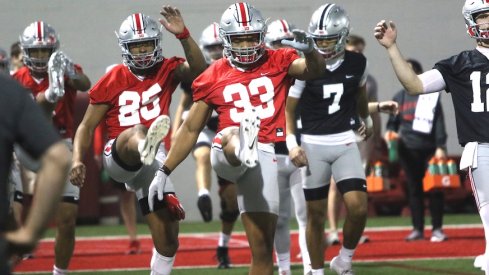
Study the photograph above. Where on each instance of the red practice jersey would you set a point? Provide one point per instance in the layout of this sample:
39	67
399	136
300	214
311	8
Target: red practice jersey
65	108
135	100
230	90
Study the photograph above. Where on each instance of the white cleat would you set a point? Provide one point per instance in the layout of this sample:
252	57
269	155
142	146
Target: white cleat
56	74
479	262
156	132
248	137
340	267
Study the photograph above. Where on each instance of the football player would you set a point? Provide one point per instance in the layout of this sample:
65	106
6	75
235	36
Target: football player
40	47
328	143
212	47
133	97
465	77
289	176
247	88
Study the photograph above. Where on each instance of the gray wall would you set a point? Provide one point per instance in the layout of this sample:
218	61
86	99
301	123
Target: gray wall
428	31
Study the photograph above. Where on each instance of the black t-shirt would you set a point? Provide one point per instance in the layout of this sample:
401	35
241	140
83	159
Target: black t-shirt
22	122
328	104
467	78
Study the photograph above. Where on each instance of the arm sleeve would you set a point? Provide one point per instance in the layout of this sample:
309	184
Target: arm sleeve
432	81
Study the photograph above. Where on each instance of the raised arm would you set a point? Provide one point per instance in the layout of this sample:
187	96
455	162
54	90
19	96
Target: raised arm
173	22
386	34
83	139
312	65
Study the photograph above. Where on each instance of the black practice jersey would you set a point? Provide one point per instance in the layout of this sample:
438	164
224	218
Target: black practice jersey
467	78
328	104
213	121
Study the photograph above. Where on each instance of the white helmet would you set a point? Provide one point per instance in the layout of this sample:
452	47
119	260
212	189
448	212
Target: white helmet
210	43
470	11
137	28
238	20
278	30
38	35
330	21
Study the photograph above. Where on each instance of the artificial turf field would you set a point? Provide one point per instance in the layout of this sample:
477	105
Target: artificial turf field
100	250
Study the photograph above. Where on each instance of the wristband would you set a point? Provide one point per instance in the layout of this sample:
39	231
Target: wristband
184	35
165	170
291	142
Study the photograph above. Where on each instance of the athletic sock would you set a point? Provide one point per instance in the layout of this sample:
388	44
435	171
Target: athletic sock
283	261
223	240
346	254
319	271
59	271
203	191
161	265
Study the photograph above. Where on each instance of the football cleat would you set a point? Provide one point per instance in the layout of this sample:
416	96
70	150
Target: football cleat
223	257
204	204
248	137
134	247
156	132
340	267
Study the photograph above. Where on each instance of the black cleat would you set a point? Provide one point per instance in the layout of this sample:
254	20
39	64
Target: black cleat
223	257
205	206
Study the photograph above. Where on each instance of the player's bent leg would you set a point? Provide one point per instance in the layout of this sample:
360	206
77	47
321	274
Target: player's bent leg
260	229
65	233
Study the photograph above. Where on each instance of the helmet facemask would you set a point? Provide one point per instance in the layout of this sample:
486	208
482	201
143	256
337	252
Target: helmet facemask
141	60
248	54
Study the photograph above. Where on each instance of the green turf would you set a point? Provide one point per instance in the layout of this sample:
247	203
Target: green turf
422	267
214	226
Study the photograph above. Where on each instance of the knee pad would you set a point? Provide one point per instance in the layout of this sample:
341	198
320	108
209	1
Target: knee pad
355	184
161	265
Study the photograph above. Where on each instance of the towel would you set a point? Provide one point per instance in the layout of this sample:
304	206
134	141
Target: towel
425	112
469	156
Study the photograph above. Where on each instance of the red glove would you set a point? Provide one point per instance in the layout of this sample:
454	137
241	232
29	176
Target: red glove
174	206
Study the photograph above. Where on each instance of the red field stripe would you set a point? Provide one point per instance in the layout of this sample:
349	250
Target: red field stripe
199	250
